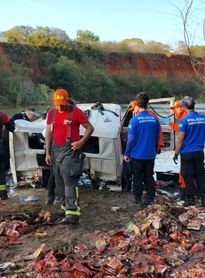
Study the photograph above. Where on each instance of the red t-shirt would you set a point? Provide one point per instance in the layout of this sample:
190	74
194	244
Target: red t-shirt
60	129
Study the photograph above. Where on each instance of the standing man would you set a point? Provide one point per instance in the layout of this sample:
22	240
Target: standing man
4	121
141	149
190	145
63	134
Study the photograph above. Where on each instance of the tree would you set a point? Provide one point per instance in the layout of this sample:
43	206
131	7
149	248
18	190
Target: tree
189	28
157	47
181	48
40	36
52	37
133	45
18	34
69	75
86	37
100	85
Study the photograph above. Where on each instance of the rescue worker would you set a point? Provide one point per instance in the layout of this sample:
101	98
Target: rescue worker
141	149
63	134
150	111
190	145
4	121
180	113
28	115
53	198
126	179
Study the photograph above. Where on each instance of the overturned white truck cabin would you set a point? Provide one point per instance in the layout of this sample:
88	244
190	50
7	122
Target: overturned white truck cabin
103	150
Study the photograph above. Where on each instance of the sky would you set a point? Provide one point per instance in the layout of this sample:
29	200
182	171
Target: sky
111	20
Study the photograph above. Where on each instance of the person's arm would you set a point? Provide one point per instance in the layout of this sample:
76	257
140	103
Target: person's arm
88	131
130	143
130	140
8	123
158	134
10	126
180	139
48	139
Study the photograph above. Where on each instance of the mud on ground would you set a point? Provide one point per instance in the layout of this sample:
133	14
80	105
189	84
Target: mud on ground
97	214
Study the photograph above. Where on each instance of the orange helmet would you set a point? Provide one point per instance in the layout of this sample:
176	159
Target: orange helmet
132	105
60	97
177	109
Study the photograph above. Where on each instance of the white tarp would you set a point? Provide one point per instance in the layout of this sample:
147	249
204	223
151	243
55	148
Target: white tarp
33	127
164	163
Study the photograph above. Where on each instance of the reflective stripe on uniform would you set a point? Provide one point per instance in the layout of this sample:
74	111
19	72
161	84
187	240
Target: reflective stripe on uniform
2	187
73	212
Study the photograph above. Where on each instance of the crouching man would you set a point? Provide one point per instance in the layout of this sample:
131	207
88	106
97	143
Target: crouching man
63	134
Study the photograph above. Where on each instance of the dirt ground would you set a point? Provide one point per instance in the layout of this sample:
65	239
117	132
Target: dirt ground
97	214
166	239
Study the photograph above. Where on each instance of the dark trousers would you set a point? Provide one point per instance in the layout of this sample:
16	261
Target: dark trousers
192	169
143	178
51	186
2	164
3	189
65	184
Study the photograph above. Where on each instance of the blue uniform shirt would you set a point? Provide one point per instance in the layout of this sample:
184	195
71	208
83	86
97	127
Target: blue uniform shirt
193	125
143	136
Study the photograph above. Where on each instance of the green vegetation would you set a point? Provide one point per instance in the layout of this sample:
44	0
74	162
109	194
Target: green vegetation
39	60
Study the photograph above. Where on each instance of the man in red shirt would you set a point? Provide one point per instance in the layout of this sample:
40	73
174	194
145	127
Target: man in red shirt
4	121
63	134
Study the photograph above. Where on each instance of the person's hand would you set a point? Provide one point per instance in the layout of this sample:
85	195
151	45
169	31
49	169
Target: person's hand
76	145
48	159
175	158
126	158
158	150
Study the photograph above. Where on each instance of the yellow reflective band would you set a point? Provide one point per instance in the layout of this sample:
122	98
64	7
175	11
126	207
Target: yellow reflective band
77	192
72	212
63	207
2	186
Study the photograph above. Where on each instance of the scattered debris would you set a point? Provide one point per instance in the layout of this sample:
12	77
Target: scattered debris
165	239
32	198
115	208
35	254
37	180
7	266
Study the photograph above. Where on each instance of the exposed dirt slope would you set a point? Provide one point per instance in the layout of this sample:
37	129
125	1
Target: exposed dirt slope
151	64
117	63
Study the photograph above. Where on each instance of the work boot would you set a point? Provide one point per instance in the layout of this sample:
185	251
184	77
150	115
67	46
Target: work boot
70	219
60	214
